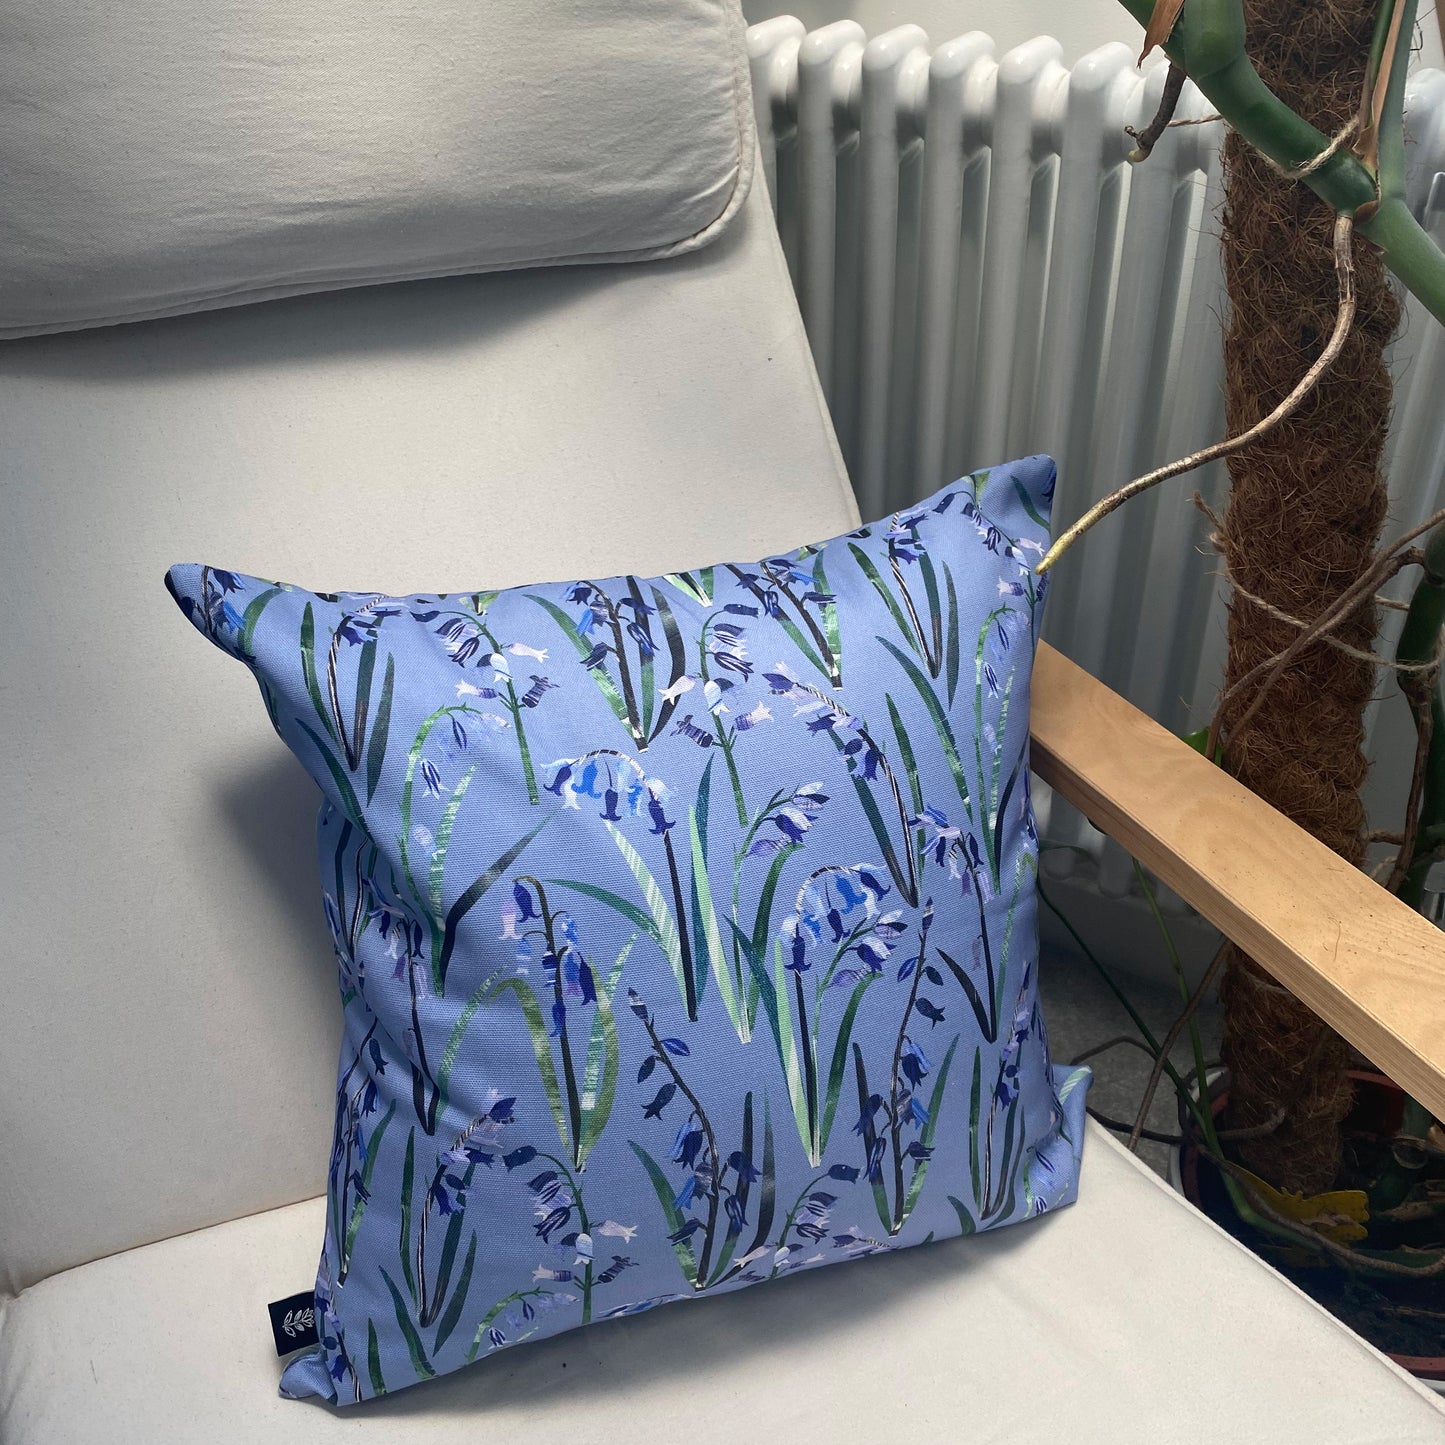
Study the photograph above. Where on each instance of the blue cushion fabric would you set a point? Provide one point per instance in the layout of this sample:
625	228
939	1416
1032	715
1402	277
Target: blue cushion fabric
685	925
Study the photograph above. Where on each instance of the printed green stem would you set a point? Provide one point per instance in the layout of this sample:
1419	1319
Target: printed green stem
564	1047
586	1228
689	981
895	1124
624	672
514	707
719	1166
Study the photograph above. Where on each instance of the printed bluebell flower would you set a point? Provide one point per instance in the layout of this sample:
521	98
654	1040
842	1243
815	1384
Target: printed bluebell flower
660	1101
685	727
660	822
533	695
844	1173
686	1146
930	1011
737	1213
758	713
914	1063
939	834
523	898
865	1118
743	1167
686	1194
550	1223
597	656
431	779
518	1157
463	640
619	1263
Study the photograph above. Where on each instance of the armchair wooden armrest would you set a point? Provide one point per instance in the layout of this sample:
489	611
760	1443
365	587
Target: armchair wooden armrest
1365	962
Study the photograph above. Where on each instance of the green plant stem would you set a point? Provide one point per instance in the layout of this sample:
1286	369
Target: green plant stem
1208	42
1195	1041
1191	1102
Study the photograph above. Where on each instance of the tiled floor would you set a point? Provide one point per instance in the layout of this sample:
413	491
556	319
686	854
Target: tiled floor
1081	1012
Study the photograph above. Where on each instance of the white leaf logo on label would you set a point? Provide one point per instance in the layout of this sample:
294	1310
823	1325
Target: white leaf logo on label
298	1320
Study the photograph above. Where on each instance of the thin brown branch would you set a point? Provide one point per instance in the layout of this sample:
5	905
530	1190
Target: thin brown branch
1145	140
1170	1039
1162	20
1345	271
1357	595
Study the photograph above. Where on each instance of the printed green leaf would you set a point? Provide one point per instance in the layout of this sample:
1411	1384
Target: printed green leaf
380	728
795	633
478	890
788	1050
951	644
373	1360
308	670
677	653
692	587
407	1178
974	1101
939	720
346	795
1040	522
830	620
934	651
599	1079
880	1193
450	1241
542	1049
365	665
865	562
910	764
453	1313
250	617
662	928
437	870
627	909
929	1130
965	1219
763	919
420	1365
840	1055
768	1184
599	675
454	1039
670	1212
711	933
358	1206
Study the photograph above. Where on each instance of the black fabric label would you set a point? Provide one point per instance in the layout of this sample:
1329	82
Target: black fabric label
293	1322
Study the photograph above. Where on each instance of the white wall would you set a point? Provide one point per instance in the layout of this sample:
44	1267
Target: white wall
1079	25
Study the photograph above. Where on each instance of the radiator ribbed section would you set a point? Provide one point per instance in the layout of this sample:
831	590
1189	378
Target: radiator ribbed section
982	274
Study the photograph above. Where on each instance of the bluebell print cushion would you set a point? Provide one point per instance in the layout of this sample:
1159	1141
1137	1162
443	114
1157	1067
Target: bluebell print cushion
685	925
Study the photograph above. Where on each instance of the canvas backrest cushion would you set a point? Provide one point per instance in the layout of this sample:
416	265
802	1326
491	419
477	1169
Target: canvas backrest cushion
159	158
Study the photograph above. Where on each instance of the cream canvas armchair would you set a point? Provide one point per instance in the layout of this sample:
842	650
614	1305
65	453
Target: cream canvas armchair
168	1031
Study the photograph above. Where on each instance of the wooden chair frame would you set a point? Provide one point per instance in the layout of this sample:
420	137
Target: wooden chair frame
1365	962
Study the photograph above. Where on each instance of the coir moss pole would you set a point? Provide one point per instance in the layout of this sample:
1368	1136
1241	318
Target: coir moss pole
1304	516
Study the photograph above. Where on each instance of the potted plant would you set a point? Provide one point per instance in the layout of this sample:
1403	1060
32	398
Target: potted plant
1329	1170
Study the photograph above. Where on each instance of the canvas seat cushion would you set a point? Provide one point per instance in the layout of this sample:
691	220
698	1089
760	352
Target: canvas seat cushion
1126	1318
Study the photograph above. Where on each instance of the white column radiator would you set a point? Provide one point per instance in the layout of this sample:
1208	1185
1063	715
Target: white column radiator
983	275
